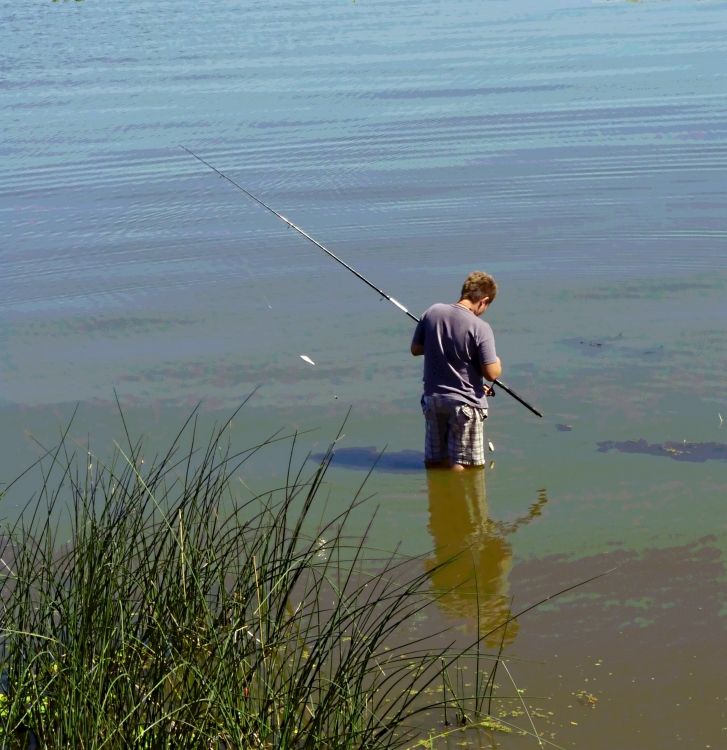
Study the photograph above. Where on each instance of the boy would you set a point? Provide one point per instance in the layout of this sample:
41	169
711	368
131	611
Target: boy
459	350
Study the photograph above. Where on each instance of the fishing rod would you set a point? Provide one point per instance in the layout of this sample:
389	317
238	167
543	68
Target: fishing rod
345	265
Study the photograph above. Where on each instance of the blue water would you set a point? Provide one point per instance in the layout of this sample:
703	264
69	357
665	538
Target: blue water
549	137
576	150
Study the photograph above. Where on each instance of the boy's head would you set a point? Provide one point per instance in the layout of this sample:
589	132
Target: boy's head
477	286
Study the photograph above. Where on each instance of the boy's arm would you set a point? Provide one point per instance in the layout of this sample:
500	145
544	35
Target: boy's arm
486	351
417	342
492	371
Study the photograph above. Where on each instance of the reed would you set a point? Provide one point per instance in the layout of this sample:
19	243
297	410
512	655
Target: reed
177	615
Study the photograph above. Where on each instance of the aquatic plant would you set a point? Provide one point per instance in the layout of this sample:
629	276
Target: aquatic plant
174	614
178	615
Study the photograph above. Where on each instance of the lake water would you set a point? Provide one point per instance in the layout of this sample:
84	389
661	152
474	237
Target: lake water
576	150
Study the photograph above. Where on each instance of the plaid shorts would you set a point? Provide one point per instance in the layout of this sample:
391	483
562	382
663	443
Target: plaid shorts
454	431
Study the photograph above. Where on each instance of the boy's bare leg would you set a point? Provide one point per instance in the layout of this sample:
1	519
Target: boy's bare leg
445	464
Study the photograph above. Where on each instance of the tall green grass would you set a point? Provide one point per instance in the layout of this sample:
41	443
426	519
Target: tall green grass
176	615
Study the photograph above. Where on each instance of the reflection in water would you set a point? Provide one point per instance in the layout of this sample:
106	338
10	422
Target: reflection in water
479	554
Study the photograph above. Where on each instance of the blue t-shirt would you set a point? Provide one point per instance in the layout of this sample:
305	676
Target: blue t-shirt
456	345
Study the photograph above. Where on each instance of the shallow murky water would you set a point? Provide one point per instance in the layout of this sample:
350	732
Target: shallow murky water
576	150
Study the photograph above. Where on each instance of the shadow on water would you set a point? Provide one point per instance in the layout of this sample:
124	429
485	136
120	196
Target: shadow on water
399	462
477	548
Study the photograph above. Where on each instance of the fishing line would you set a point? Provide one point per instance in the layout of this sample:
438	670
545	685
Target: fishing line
345	265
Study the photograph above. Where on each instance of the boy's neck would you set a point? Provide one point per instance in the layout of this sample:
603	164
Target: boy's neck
476	308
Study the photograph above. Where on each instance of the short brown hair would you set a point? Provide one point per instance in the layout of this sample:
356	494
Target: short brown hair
479	285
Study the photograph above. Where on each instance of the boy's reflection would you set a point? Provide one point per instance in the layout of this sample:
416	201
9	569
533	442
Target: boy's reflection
461	528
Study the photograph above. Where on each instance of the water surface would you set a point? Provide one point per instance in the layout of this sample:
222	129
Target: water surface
574	149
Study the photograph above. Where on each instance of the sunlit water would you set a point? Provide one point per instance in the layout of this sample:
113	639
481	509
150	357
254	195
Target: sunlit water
576	150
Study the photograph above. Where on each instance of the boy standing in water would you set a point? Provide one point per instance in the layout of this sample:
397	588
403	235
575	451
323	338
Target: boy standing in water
459	350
